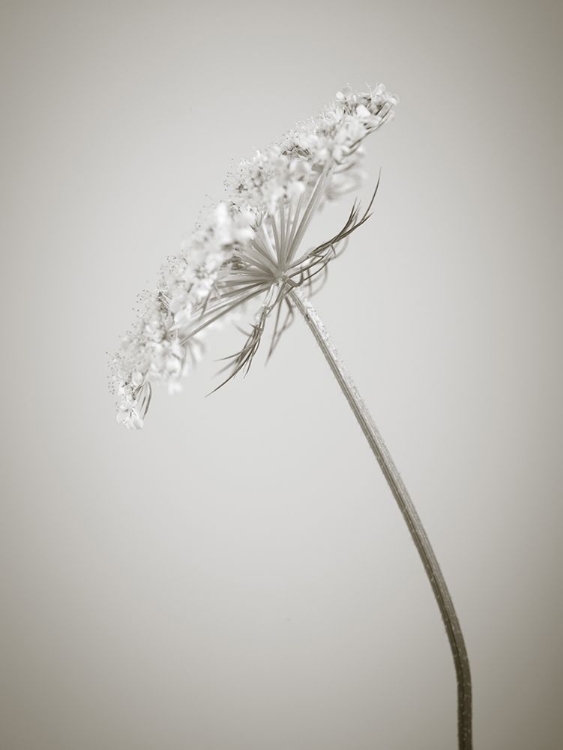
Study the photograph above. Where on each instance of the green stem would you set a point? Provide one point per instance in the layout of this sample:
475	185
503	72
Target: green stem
431	566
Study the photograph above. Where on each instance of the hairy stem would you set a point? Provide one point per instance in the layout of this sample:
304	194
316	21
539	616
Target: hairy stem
431	566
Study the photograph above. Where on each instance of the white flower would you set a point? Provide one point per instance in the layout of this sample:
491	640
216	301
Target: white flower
249	246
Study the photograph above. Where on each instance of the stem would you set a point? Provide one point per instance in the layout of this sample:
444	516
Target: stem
422	543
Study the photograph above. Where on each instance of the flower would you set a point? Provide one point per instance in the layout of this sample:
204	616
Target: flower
248	246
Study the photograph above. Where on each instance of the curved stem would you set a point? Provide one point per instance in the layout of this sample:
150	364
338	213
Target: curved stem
431	566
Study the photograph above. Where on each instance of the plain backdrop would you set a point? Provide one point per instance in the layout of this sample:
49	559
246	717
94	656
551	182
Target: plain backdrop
236	576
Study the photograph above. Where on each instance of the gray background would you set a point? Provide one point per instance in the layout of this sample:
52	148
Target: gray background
237	576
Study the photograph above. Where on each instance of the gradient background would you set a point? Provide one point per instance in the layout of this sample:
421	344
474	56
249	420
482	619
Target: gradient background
237	576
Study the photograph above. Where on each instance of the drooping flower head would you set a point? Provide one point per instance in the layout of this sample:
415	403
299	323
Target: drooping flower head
250	246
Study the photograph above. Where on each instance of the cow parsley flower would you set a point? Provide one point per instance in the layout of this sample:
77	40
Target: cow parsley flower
251	245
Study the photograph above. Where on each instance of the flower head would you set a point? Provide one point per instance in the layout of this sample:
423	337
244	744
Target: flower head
249	246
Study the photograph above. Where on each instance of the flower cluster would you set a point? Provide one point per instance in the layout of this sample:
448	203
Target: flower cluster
160	347
248	246
285	170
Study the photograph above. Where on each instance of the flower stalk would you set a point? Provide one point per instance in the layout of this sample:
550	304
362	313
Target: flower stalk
406	506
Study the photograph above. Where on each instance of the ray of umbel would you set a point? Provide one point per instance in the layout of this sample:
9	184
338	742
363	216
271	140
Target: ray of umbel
252	246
